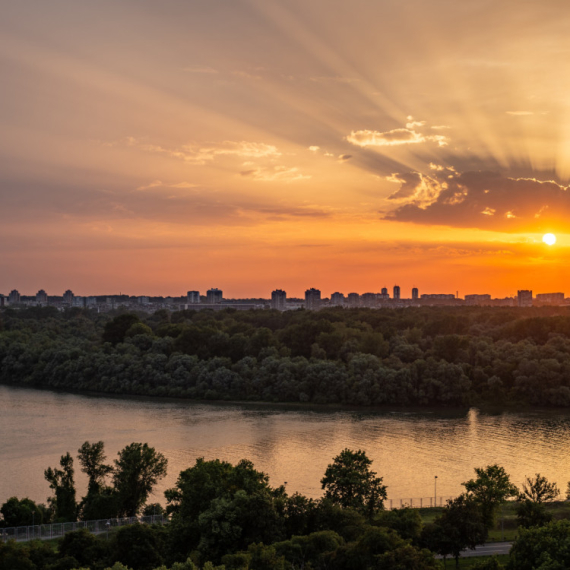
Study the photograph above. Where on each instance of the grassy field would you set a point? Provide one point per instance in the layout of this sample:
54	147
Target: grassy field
470	562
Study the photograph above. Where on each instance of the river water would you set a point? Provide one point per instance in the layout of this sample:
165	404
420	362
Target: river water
291	445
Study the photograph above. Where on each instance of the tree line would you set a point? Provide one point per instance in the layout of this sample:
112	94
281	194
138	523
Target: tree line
359	357
228	517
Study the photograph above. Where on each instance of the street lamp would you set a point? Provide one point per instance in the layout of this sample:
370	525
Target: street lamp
108	524
435	490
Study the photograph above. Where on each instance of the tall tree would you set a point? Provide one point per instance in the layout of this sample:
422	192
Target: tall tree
63	485
489	489
92	458
350	483
539	489
136	472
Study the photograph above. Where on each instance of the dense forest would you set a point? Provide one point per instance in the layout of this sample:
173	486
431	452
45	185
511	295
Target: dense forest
358	357
223	516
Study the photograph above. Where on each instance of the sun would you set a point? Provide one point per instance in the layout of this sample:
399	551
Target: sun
549	239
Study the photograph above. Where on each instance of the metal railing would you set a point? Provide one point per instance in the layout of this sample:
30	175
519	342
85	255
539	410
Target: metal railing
57	530
419	503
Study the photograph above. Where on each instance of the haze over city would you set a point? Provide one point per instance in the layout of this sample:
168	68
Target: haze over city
153	147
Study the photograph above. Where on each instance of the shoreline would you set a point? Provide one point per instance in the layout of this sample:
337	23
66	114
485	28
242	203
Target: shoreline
307	406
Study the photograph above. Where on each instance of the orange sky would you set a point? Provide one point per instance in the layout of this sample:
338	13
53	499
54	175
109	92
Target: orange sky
156	147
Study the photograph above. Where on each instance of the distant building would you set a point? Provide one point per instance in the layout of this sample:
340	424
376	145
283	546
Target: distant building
214	296
14	297
79	301
91	302
312	299
524	298
396	295
368	300
478	300
68	297
438	297
384	294
278	299
41	297
193	297
353	300
143	300
337	299
550	298
415	294
3	301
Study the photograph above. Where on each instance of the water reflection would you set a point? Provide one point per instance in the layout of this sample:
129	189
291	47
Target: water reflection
408	448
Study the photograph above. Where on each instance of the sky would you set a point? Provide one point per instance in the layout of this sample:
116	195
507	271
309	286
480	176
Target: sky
159	147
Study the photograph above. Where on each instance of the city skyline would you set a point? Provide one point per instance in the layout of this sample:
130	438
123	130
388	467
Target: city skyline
150	146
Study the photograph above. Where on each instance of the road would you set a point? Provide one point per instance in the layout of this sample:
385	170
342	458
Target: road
488	549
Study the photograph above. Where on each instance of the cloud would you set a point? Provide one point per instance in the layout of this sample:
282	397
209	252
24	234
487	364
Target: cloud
160	184
207	153
394	137
344	157
314	148
485	200
275	174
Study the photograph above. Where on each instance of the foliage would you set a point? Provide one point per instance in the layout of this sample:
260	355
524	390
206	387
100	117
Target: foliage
21	512
358	357
539	489
542	548
137	470
350	483
531	513
460	526
491	488
63	485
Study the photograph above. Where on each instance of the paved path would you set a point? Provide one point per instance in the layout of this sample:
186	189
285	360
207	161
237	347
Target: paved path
488	549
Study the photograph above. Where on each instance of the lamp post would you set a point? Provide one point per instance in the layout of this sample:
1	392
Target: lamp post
108	524
435	490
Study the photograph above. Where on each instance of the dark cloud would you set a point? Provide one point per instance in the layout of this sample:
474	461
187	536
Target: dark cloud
485	200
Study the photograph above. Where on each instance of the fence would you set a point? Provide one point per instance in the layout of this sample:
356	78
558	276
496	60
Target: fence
57	530
421	503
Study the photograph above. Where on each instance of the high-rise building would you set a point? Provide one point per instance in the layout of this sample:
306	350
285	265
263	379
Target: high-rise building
3	301
337	299
193	297
482	299
312	299
368	299
415	294
278	299
214	296
353	300
550	298
384	294
41	297
79	301
91	302
396	294
68	297
143	300
524	298
14	297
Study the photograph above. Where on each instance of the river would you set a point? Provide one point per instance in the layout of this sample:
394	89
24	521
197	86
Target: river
291	445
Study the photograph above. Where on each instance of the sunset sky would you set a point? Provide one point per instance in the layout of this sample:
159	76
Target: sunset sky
159	147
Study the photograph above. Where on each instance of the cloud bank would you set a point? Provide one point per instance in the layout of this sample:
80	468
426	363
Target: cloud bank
484	200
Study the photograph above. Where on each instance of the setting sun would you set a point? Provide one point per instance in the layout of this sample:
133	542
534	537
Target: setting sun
549	239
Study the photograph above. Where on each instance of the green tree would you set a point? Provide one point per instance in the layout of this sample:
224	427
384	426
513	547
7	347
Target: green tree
542	548
21	512
539	489
530	513
63	485
460	526
491	488
136	472
92	459
350	483
139	546
116	330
